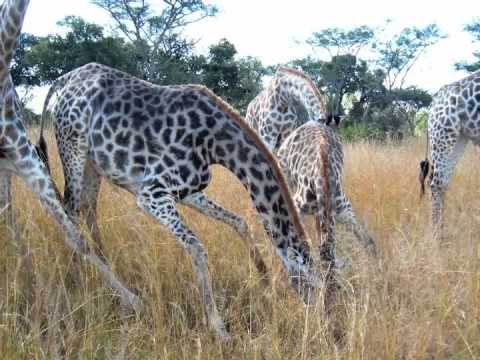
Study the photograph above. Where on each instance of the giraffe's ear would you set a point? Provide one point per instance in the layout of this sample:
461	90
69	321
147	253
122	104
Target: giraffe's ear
328	119
337	119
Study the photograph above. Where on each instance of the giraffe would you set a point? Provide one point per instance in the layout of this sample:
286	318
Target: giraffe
289	100
19	157
454	119
312	160
282	111
158	142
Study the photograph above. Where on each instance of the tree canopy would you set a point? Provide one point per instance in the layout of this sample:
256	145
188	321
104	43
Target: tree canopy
361	71
474	29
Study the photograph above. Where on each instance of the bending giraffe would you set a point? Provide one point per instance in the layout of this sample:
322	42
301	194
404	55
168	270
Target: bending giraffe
454	120
289	108
19	157
158	142
289	100
312	160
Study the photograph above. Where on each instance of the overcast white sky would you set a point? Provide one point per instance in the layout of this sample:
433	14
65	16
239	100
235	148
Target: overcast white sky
271	29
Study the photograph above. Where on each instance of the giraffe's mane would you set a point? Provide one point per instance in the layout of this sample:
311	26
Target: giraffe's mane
237	118
304	77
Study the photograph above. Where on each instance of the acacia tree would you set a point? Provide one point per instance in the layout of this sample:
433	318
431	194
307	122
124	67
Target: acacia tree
375	88
399	54
341	75
156	36
474	29
342	42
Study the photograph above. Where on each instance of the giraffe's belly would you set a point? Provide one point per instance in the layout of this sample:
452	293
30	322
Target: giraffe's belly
131	171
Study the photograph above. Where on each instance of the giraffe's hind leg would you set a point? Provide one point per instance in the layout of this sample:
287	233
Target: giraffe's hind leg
162	206
73	154
32	170
447	148
91	187
205	205
346	216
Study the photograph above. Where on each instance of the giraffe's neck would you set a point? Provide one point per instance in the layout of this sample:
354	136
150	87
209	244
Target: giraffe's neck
297	88
237	147
12	13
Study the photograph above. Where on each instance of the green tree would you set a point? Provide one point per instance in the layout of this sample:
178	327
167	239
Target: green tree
22	72
237	81
157	36
341	42
336	78
474	29
398	55
341	75
378	102
43	59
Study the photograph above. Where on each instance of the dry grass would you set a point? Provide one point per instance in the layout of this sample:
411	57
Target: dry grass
418	300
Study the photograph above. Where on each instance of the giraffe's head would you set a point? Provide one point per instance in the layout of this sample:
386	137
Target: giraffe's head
332	120
310	279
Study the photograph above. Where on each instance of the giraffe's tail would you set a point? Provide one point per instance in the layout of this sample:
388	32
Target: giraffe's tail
41	147
424	169
326	221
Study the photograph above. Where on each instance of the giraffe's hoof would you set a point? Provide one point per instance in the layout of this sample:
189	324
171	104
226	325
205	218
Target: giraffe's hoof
223	336
343	264
132	302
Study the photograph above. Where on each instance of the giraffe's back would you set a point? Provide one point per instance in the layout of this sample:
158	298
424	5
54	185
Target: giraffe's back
300	156
135	129
455	108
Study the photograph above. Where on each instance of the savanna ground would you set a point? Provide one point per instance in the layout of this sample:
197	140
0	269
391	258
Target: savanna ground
418	300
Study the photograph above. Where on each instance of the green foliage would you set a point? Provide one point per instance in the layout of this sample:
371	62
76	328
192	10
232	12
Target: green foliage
156	35
398	55
421	122
412	96
379	105
43	59
40	60
337	77
359	131
237	81
338	41
29	117
22	71
474	29
149	44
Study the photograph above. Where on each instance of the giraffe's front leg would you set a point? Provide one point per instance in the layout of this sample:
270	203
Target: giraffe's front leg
163	208
6	204
201	202
346	216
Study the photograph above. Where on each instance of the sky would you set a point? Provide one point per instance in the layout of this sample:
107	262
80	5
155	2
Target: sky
274	30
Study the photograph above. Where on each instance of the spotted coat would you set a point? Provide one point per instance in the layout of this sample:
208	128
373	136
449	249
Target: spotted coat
158	143
19	157
454	120
291	107
290	100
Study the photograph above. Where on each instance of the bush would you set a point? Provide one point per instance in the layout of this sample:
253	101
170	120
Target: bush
421	122
359	131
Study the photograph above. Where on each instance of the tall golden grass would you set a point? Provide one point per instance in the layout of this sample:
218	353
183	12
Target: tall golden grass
418	300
